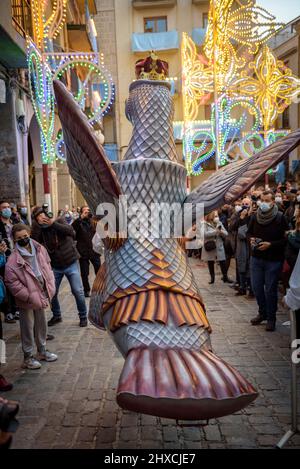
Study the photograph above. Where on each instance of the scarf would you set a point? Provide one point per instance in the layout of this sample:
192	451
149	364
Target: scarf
265	218
31	259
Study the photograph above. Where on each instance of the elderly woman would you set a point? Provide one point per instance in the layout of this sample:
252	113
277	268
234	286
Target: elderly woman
213	248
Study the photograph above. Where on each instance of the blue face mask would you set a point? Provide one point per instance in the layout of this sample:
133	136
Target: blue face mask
23	211
6	213
265	206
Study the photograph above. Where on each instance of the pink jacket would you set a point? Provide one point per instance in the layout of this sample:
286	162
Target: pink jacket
23	284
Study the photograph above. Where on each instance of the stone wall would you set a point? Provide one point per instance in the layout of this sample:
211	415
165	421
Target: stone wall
9	172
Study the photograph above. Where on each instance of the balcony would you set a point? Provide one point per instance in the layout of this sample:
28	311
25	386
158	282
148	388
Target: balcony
142	4
21	17
145	42
78	38
91	4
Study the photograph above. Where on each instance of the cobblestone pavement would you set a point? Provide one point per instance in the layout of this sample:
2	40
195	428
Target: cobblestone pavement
71	403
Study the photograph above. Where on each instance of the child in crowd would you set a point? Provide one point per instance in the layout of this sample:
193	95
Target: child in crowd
29	277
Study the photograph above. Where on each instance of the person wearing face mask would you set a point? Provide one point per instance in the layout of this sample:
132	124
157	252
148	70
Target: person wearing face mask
9	306
266	232
59	239
23	212
232	236
85	231
242	254
279	201
213	247
290	203
29	277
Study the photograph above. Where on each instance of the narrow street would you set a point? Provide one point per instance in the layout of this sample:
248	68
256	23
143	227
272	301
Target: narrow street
71	403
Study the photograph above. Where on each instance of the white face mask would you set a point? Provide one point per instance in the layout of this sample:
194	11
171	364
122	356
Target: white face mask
259	202
238	208
216	219
278	200
298	198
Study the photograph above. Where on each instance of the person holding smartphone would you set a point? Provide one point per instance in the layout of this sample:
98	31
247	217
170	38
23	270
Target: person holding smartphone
266	232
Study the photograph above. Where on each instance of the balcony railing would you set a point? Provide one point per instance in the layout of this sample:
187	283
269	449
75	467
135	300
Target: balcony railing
141	4
21	17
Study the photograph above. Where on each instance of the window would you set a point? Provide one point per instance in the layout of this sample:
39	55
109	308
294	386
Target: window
204	20
21	17
156	24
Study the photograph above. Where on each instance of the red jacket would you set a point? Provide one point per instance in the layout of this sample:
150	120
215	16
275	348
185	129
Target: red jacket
23	284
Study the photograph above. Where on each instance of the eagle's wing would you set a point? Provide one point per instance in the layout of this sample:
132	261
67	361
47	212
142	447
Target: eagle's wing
86	159
230	183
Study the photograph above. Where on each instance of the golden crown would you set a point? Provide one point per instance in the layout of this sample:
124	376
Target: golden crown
151	68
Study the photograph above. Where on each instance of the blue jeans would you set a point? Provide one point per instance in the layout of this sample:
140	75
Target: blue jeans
264	280
74	279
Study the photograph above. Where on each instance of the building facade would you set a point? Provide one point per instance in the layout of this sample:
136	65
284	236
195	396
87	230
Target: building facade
129	29
286	45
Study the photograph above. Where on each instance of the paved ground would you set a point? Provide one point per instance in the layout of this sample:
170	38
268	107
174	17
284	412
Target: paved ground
71	403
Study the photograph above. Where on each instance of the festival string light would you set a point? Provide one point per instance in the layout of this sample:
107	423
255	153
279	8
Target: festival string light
272	84
40	85
44	66
200	140
234	35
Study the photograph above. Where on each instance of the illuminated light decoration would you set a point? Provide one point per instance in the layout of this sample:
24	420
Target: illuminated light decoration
254	142
197	80
47	28
200	142
249	25
45	66
272	85
60	147
40	84
97	79
197	84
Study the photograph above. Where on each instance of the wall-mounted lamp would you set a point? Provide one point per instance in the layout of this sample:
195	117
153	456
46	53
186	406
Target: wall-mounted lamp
20	114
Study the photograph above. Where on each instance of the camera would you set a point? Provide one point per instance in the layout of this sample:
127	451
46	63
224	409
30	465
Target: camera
256	244
45	208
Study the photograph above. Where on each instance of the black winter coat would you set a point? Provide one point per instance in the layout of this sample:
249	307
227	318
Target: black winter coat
84	234
59	240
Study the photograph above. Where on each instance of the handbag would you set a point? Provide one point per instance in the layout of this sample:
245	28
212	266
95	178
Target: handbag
210	245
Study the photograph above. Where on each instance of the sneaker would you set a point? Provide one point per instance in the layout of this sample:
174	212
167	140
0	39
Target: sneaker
83	322
87	294
17	315
5	385
50	337
271	326
54	320
9	318
31	363
47	356
257	320
241	293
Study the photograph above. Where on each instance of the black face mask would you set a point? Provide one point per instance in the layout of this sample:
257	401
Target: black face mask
23	242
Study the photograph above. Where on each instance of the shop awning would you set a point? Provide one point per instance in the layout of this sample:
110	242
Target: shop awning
145	42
